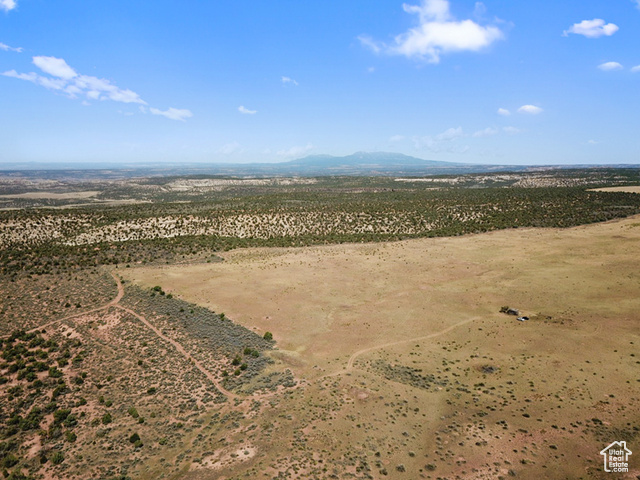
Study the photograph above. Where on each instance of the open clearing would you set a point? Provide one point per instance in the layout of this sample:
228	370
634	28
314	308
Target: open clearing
429	374
53	195
325	303
628	189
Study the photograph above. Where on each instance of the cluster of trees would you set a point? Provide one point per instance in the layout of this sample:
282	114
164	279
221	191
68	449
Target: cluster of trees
406	212
33	396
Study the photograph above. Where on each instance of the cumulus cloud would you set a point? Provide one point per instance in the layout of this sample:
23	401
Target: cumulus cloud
60	77
7	48
592	28
7	5
438	33
56	67
530	109
504	112
290	80
64	78
396	138
242	109
296	151
636	69
609	66
180	114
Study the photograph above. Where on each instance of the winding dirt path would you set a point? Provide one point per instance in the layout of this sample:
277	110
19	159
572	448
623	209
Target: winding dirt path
180	349
352	359
115	303
112	303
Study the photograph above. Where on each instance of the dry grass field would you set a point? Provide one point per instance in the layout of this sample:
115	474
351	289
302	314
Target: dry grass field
407	368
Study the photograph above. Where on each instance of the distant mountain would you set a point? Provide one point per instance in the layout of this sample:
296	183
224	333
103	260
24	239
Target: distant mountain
359	163
379	163
368	159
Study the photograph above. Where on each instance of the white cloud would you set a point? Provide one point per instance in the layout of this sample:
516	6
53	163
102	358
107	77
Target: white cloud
246	111
371	44
396	138
436	142
636	69
46	82
637	3
487	132
438	33
7	48
511	130
530	109
180	114
504	112
56	67
296	151
286	80
592	28
61	77
592	142
609	66
30	77
479	10
7	5
449	134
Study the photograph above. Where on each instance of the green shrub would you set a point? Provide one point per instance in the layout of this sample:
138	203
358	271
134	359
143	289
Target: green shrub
57	458
9	460
60	415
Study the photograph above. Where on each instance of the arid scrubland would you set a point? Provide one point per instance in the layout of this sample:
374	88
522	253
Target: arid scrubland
139	341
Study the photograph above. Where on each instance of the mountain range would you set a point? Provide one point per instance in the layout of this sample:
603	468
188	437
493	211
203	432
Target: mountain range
359	163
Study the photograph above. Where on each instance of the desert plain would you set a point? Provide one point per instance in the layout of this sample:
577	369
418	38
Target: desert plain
345	328
406	363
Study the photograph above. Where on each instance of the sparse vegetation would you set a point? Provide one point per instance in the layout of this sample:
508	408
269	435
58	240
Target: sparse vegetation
154	384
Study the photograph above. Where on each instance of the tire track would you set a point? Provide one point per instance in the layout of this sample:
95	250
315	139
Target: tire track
115	303
350	363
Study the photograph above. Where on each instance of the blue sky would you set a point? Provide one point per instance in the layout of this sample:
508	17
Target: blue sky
498	81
